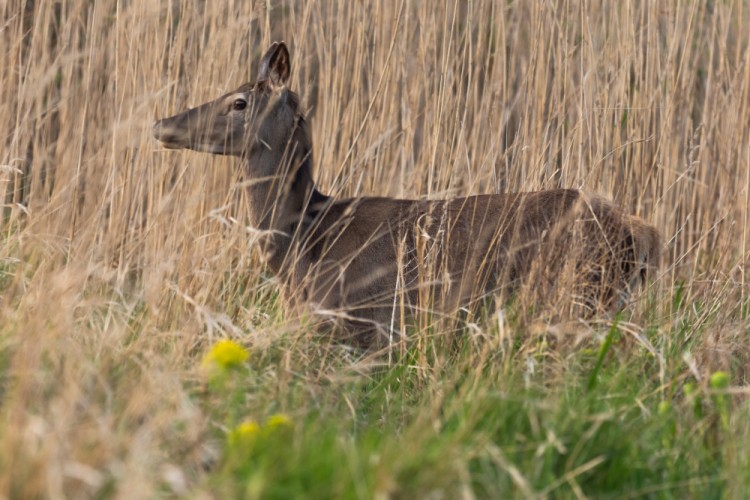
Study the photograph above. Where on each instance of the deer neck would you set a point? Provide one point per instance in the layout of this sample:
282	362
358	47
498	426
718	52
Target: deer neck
282	195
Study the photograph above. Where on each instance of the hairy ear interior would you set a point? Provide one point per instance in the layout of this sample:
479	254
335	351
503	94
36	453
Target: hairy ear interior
275	65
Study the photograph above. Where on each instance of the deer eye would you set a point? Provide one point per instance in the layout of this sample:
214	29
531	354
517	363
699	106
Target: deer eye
239	104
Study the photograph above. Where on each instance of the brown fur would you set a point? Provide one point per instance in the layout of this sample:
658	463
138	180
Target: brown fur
357	258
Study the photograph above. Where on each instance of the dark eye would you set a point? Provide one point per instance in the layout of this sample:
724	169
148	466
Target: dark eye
240	104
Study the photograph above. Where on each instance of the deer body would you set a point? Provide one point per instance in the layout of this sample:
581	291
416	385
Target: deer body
360	258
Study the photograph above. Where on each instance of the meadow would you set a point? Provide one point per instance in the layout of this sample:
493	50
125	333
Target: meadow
144	350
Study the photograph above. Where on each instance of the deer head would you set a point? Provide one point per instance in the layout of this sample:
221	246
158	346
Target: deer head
255	114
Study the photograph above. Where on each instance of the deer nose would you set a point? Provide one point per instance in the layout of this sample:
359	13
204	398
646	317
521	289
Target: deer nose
161	130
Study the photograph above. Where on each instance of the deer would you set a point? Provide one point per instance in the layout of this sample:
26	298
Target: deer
364	260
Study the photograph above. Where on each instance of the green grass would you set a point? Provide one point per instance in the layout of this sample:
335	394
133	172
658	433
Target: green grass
607	411
493	429
501	407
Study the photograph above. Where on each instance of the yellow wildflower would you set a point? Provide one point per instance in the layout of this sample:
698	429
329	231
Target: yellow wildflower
244	435
225	354
278	420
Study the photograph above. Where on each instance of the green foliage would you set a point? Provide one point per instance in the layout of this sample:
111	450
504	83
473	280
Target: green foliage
602	427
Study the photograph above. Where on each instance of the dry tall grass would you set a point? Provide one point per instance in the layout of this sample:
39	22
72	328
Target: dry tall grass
118	259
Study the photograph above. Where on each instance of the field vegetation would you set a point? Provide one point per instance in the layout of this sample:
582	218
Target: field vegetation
144	350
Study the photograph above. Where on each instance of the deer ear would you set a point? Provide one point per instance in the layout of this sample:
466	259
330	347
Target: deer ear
275	65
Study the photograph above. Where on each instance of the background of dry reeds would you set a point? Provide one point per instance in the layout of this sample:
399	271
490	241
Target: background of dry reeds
120	262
